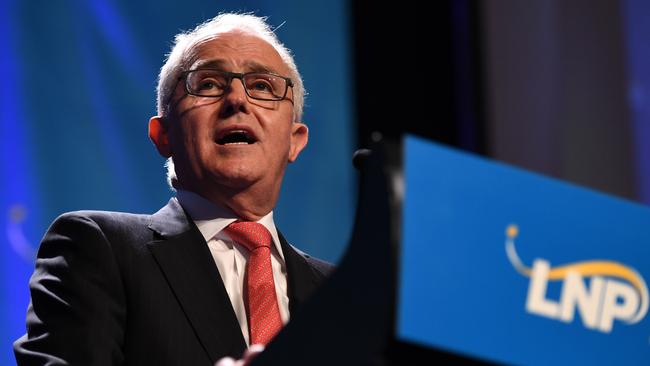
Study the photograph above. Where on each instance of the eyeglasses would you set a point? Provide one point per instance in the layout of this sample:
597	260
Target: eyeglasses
215	83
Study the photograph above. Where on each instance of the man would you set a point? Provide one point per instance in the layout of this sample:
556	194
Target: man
176	287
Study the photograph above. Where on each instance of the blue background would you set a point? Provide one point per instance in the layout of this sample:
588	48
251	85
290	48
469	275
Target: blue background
77	88
458	289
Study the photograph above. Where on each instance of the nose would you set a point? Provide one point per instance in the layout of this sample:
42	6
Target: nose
235	99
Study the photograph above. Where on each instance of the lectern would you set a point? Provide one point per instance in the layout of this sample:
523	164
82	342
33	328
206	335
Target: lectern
458	258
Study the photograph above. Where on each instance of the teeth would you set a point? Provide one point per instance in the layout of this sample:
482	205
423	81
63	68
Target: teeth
236	137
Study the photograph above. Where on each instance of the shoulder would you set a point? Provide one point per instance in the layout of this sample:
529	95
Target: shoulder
101	220
80	286
89	229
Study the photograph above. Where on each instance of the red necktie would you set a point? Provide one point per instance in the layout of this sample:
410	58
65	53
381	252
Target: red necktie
263	311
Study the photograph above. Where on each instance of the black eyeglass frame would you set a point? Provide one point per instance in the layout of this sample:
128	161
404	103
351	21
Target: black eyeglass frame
237	75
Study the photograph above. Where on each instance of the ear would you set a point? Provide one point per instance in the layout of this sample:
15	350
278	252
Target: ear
158	135
299	137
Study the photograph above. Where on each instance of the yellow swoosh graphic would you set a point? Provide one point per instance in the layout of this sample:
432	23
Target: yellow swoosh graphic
585	269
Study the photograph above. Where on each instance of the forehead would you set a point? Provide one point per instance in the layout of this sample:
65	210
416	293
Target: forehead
239	52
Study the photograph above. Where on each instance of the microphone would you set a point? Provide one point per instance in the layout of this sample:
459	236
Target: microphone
360	157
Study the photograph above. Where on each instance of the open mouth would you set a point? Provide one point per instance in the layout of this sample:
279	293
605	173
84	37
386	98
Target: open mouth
236	137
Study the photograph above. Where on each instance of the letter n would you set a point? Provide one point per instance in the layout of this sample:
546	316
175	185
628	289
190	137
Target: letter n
575	294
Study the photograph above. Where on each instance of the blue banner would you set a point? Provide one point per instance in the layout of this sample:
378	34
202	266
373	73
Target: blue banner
510	266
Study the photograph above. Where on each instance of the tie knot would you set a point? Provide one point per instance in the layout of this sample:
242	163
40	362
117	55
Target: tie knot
250	234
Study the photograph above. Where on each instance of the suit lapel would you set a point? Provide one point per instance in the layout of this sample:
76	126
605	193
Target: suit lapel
302	280
184	258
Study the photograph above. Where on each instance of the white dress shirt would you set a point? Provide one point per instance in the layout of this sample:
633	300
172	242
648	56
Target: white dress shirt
231	257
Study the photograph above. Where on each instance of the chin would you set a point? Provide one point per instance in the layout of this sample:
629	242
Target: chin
236	178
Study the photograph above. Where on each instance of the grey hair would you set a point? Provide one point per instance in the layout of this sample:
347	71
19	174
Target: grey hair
185	46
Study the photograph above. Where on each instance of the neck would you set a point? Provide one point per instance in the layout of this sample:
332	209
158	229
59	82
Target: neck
249	204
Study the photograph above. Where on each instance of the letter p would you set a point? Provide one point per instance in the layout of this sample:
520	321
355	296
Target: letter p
612	308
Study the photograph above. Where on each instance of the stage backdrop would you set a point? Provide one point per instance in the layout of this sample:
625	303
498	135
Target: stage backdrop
77	87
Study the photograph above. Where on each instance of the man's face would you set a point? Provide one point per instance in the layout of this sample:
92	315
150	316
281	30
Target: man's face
205	134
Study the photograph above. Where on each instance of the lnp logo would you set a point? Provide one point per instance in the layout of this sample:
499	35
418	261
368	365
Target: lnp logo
615	291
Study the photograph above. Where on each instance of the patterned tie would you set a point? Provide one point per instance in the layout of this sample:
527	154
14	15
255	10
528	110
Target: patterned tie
263	312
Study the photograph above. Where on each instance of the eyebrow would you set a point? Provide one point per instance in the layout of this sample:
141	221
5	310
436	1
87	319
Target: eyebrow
249	66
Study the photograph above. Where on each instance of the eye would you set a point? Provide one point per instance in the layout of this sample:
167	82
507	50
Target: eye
208	84
261	85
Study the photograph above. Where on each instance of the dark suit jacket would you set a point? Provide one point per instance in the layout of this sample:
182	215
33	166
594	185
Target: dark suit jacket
122	289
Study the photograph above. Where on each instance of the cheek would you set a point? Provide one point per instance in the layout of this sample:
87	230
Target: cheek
283	147
195	130
183	141
182	137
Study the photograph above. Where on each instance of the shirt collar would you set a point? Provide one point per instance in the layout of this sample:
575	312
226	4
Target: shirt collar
211	218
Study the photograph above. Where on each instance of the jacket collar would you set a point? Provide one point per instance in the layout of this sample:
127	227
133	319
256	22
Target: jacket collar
170	220
183	256
301	277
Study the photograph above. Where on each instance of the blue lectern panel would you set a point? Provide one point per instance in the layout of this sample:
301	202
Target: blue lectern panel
510	266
